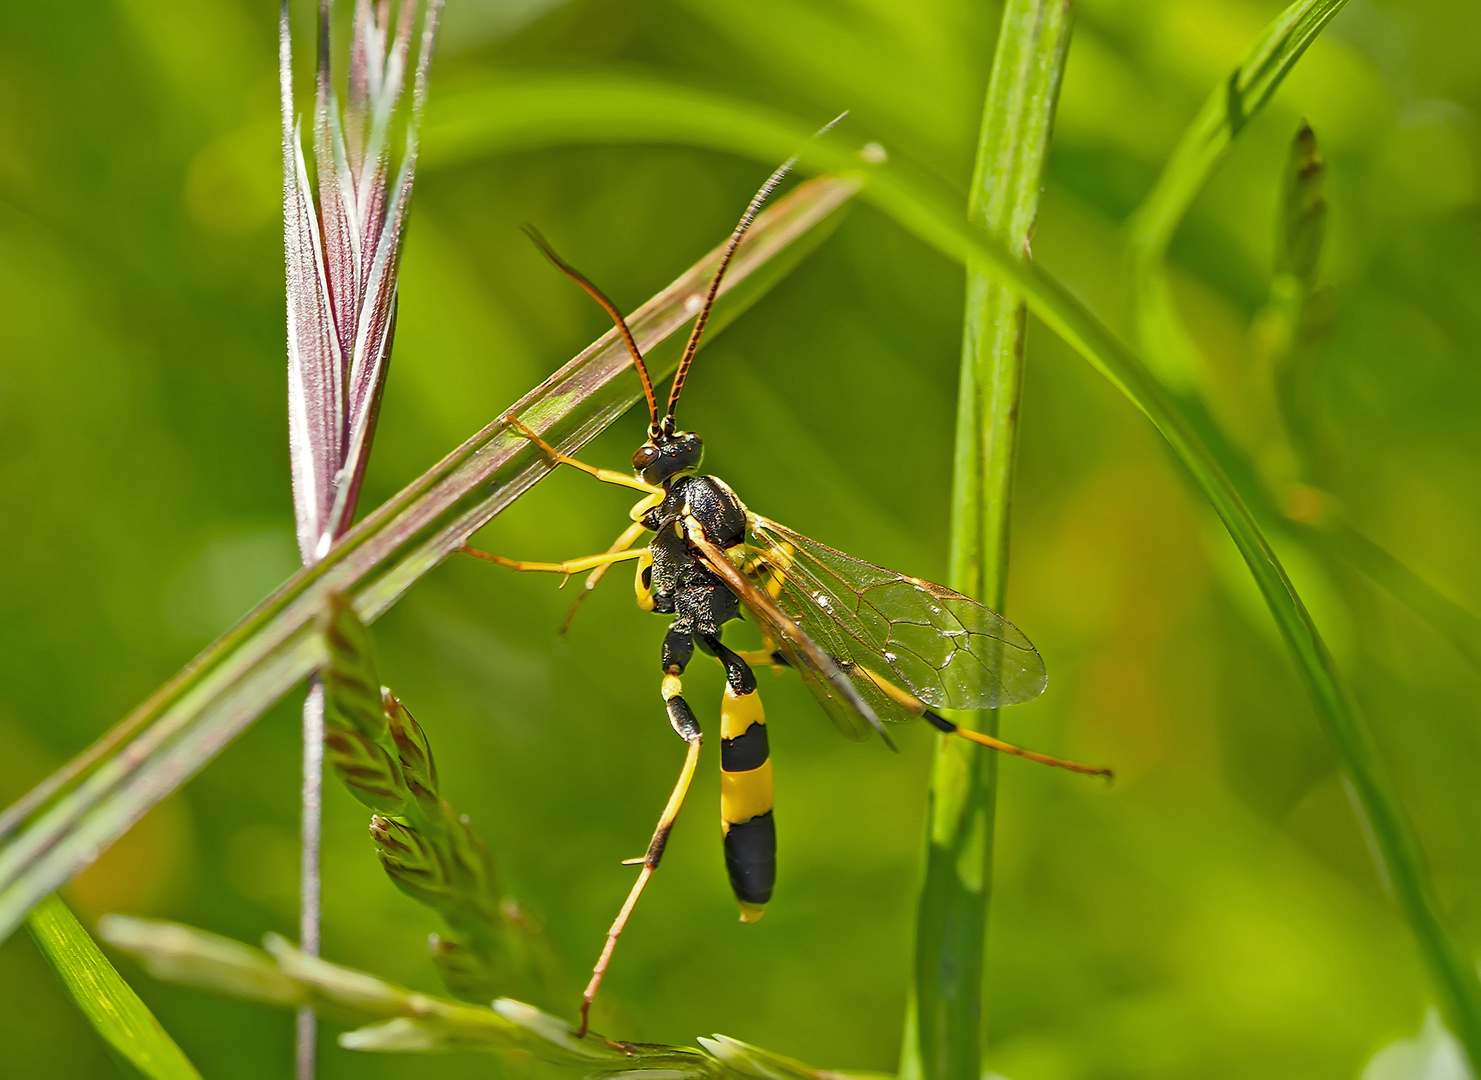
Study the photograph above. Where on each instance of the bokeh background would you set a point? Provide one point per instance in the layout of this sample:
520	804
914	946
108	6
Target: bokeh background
1215	914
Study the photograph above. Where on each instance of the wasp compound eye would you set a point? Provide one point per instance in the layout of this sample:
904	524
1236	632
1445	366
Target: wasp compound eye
646	455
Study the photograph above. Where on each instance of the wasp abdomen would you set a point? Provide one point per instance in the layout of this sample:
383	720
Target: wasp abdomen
746	801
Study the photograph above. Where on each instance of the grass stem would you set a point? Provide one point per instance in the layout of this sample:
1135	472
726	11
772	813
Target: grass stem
944	1019
311	829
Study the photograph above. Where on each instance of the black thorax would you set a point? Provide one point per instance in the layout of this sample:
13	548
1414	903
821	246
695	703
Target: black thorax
681	585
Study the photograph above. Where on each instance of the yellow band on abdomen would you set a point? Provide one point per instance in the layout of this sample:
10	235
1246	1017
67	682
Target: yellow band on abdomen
744	795
738	712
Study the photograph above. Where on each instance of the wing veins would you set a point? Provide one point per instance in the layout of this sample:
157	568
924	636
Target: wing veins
984	660
795	642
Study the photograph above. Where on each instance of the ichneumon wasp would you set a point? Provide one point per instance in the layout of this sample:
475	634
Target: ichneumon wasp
872	645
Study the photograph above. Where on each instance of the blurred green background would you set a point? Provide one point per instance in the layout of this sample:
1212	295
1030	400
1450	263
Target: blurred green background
1215	914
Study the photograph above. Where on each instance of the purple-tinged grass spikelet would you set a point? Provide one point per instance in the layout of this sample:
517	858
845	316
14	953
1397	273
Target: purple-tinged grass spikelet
344	233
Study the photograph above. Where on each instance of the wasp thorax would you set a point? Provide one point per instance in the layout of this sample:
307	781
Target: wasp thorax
668	455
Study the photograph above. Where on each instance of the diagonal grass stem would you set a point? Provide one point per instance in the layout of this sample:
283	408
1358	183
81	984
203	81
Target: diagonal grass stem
53	833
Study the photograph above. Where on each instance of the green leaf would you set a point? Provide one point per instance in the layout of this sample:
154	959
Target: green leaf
1301	231
110	1004
943	1028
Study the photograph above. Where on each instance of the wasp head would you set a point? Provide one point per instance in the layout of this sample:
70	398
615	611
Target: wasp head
667	455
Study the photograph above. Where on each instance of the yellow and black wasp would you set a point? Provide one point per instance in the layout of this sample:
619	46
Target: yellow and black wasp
872	645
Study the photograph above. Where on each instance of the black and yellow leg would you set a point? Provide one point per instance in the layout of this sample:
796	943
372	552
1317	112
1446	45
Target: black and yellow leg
913	704
745	787
569	567
681	716
606	476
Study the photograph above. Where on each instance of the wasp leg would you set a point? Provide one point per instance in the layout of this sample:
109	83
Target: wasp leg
678	646
631	533
569	567
940	723
912	704
773	658
606	476
745	787
772	564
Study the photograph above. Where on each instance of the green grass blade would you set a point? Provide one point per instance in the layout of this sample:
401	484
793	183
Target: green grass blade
1224	115
1172	356
62	826
1455	623
99	992
943	1029
1395	843
398	1020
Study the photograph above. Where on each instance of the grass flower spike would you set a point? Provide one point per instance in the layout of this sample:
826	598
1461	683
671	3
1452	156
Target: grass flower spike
343	234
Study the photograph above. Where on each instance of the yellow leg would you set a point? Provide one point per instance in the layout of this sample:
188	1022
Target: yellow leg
773	564
606	476
762	658
908	701
631	533
1032	755
569	567
650	864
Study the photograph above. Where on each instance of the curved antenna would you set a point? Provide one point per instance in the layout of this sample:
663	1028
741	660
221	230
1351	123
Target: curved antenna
704	312
735	239
611	309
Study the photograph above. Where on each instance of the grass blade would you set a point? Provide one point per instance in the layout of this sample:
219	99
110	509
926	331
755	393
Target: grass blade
1224	115
398	1020
943	1029
188	721
99	992
1395	845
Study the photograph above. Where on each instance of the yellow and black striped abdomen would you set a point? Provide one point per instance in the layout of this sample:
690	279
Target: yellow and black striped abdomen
745	802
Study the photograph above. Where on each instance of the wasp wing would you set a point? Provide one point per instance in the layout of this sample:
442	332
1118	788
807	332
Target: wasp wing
820	672
950	651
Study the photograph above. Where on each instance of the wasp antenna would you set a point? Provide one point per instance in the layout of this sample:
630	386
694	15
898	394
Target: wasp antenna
831	124
611	309
735	239
709	302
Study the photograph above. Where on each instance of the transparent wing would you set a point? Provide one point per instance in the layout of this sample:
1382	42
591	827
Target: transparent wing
945	648
852	712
